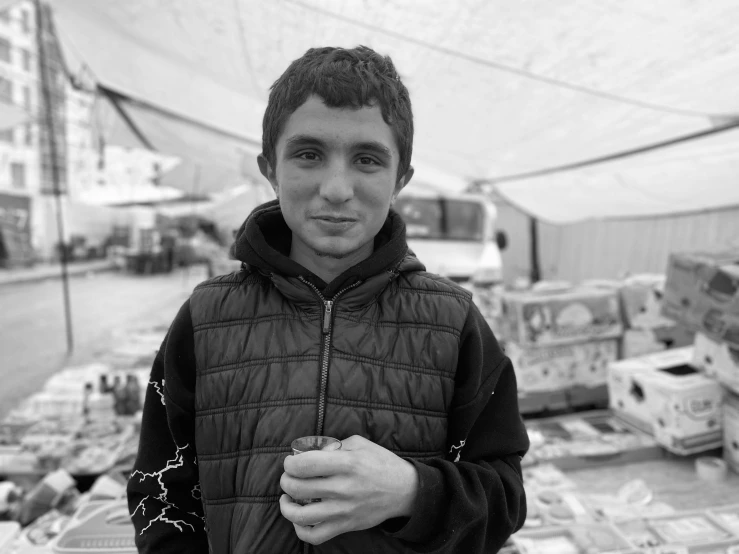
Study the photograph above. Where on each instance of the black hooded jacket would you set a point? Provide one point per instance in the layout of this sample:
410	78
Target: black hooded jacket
470	501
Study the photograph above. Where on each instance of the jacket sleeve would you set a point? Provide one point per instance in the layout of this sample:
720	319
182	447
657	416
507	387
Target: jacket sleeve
472	501
163	489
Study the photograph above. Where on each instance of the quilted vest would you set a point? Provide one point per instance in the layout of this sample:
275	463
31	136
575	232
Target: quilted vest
277	361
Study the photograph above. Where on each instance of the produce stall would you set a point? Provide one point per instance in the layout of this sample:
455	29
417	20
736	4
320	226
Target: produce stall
66	453
656	469
630	392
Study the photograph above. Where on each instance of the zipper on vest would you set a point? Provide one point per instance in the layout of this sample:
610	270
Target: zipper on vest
326	328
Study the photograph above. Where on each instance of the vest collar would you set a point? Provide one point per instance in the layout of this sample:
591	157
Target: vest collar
356	294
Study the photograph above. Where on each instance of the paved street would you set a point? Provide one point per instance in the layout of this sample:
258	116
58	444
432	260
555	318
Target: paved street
32	335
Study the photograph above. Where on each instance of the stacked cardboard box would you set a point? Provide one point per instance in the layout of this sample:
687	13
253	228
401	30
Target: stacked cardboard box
646	329
663	395
561	342
702	292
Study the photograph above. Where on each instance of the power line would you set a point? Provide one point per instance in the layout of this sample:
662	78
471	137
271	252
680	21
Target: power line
515	70
728	126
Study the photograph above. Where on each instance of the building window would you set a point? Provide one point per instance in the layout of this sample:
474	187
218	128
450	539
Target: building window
5	16
4	49
27	98
26	59
18	175
28	135
6	135
6	90
25	21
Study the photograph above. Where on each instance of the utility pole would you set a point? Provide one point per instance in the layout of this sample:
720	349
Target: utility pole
48	107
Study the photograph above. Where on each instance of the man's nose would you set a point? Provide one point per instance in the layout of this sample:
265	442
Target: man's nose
337	186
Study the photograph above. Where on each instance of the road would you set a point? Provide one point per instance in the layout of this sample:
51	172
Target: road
32	329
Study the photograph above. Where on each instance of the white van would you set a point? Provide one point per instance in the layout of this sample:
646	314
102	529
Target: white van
454	235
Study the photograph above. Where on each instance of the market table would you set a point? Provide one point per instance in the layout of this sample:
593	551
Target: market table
672	480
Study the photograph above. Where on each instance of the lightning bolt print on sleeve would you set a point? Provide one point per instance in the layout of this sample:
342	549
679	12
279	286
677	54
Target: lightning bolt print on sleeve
164	497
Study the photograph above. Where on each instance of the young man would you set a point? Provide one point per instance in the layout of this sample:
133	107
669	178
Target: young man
331	328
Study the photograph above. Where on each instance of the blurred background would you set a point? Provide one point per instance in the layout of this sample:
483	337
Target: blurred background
576	168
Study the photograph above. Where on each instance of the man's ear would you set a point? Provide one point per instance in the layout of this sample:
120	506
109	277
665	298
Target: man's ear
402	182
269	173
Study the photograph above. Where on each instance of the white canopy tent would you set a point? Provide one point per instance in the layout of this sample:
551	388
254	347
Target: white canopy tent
690	177
498	88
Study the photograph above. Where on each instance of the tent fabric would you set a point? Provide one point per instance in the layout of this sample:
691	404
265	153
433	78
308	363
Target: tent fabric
498	88
212	159
686	178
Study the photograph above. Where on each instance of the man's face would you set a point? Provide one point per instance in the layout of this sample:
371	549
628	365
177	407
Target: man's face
336	176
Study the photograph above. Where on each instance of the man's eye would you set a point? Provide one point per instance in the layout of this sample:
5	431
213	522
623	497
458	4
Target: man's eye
311	156
366	160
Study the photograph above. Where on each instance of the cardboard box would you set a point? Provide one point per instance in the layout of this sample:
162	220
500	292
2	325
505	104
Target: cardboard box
641	302
704	354
541	369
546	318
626	387
731	431
675	336
592	361
702	291
553	368
662	394
717	360
588	439
640	342
582	397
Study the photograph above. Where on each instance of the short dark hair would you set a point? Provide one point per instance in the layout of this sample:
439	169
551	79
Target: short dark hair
343	78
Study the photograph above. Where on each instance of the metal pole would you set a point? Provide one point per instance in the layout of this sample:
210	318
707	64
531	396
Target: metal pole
51	132
534	245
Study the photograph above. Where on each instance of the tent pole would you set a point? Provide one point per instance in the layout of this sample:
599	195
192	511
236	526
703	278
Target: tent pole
535	274
48	113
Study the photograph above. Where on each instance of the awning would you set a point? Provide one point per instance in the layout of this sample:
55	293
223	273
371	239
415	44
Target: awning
212	159
690	177
497	88
151	85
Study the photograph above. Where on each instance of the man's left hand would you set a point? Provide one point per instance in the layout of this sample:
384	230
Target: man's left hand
360	486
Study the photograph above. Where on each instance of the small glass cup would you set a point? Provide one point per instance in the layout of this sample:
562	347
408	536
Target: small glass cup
306	444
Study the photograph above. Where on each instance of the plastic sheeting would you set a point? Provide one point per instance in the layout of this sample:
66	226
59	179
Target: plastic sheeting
212	159
691	177
498	88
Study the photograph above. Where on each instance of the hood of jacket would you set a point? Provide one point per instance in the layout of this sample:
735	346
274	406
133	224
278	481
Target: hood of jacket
263	243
